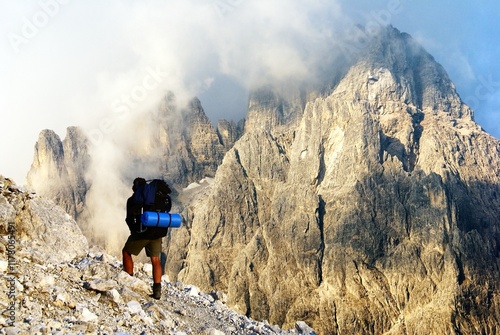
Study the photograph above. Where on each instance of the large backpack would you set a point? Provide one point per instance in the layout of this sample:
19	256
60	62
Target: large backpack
153	196
156	196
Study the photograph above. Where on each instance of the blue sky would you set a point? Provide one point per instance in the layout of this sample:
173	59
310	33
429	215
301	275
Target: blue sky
92	63
463	36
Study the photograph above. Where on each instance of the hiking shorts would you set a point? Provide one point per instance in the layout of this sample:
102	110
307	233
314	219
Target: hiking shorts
135	244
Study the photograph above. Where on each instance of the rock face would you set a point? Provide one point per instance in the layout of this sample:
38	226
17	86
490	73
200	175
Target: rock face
269	108
182	143
37	224
376	212
203	149
229	132
58	168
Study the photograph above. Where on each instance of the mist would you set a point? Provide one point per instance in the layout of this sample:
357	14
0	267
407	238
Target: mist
69	63
105	66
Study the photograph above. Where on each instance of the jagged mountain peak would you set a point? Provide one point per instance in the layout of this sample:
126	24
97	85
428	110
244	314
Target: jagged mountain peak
396	63
57	166
368	198
384	65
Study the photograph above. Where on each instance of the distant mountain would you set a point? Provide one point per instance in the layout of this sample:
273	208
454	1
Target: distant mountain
58	168
376	211
365	205
179	145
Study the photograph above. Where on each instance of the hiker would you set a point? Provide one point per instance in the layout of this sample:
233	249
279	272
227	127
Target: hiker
148	239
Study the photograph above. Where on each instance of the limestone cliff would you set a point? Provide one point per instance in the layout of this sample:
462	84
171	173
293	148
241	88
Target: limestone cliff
376	212
186	147
229	132
58	168
28	221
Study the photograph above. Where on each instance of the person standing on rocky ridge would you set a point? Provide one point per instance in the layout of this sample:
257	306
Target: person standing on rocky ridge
149	239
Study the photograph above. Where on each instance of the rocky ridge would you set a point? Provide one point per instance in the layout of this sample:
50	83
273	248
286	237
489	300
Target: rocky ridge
70	289
376	212
57	168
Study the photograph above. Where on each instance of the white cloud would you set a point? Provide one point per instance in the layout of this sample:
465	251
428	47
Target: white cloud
78	60
87	57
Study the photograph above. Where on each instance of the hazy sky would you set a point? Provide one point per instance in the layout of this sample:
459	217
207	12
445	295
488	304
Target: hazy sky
90	63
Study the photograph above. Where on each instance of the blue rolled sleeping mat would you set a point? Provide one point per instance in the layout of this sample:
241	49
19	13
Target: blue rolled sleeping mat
161	219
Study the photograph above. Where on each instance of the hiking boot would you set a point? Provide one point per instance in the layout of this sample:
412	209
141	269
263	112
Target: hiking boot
156	291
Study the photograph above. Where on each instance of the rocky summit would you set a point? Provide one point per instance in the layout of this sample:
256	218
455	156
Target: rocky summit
53	283
367	204
375	212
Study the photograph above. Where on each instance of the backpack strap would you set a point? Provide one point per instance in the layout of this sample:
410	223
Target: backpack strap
169	219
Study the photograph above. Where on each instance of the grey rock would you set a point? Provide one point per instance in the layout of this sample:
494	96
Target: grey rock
40	234
365	213
102	285
134	307
213	331
303	328
134	283
85	315
12	331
